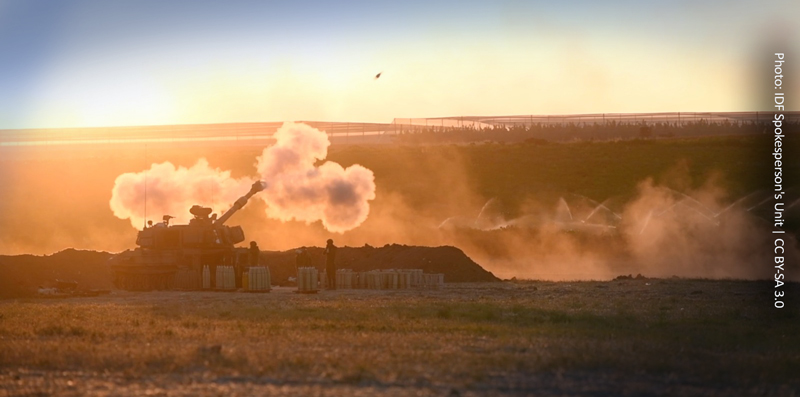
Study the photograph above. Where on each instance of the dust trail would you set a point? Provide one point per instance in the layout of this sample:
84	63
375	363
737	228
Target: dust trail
646	222
691	243
759	203
740	200
601	206
598	206
660	232
564	211
693	200
485	208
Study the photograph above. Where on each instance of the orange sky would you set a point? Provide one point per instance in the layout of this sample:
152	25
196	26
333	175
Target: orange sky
137	63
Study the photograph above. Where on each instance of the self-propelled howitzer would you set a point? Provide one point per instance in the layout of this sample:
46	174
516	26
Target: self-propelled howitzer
173	256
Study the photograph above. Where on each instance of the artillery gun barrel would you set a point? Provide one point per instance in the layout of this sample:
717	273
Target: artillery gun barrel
257	187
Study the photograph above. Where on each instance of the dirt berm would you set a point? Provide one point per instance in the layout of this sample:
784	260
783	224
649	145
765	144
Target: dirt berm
456	266
21	275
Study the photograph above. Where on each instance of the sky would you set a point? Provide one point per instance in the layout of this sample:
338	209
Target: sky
73	63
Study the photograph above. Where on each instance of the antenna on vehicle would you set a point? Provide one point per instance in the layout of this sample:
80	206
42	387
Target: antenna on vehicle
145	187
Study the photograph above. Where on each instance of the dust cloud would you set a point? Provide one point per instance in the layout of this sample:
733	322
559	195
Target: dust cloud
664	229
660	232
696	234
670	225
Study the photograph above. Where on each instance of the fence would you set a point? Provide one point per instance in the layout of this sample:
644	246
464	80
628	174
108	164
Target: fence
673	118
353	132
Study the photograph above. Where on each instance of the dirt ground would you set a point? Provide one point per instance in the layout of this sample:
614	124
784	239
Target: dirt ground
662	337
38	383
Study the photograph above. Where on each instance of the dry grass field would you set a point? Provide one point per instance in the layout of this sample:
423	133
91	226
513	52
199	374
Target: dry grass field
632	337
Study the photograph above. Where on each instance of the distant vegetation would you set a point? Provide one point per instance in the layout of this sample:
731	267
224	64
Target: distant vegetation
579	131
599	170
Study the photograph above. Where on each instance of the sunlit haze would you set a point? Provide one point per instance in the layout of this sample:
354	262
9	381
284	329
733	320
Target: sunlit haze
97	63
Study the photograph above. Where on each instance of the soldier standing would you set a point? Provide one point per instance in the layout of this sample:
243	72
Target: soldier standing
330	264
255	252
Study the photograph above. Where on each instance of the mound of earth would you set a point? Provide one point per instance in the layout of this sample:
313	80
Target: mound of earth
22	275
452	262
